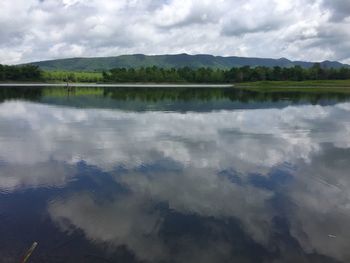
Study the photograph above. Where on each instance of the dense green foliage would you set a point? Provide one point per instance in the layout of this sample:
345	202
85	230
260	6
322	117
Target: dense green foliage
20	73
170	61
209	75
154	74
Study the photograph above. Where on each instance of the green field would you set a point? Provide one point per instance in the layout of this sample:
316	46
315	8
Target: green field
63	76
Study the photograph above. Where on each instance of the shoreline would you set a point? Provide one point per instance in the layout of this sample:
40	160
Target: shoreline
263	86
121	85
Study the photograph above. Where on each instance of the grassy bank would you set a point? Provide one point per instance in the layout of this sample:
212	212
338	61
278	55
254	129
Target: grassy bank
63	76
310	86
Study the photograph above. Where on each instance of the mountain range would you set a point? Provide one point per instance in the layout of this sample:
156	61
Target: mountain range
172	61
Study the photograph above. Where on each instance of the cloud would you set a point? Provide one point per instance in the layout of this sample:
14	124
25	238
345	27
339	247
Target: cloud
36	30
180	13
340	9
255	21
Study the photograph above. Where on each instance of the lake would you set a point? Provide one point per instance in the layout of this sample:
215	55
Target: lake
174	175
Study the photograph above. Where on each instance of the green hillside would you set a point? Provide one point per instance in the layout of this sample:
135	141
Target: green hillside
169	61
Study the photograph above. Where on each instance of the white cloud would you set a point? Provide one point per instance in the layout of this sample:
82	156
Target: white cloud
31	29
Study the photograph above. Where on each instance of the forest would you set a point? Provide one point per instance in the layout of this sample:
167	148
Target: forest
20	73
176	75
233	75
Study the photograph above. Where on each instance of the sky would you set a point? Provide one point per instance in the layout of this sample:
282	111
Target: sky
310	30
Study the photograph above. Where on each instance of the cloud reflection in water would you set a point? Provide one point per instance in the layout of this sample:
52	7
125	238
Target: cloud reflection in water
177	160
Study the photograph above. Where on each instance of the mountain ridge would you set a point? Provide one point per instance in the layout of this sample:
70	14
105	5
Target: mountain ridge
172	61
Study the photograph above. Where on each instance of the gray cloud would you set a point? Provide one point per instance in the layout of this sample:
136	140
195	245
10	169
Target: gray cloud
340	9
36	30
247	18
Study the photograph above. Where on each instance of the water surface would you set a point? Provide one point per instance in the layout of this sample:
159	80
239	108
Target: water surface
180	175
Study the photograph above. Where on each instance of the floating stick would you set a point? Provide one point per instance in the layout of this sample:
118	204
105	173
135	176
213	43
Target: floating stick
29	252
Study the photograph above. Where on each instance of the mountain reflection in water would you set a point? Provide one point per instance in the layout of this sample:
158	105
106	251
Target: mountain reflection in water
188	180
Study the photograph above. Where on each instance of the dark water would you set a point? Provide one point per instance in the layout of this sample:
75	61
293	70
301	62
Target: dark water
183	175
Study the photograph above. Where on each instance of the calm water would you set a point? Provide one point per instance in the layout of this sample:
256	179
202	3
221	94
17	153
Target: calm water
182	175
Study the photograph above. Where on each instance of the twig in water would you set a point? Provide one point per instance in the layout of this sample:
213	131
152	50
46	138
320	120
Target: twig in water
29	252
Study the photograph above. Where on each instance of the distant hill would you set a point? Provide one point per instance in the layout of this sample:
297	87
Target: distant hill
168	61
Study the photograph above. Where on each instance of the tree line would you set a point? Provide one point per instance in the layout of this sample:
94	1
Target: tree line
177	75
20	73
34	73
210	75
